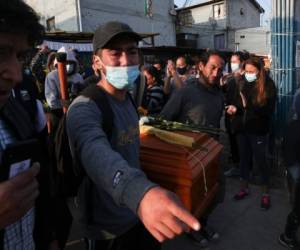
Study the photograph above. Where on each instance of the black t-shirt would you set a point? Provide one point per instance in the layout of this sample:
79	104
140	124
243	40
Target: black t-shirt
196	104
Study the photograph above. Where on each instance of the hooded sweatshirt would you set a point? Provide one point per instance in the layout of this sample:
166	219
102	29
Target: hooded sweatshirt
52	85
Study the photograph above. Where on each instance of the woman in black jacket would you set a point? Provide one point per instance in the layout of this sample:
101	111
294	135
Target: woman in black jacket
251	109
229	88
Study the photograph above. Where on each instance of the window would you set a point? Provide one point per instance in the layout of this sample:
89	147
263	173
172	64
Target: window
51	24
219	10
190	36
242	12
186	18
219	41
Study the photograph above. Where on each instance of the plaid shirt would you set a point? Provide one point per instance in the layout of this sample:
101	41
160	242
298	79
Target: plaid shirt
17	236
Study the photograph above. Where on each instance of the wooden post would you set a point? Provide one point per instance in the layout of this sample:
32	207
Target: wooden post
62	74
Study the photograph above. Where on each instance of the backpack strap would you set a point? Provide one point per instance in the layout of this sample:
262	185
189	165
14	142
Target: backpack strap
98	95
133	103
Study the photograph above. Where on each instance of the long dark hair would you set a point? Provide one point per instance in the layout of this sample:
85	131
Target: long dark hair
243	56
154	73
260	86
204	57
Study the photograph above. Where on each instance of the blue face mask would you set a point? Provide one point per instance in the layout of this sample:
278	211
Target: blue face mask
250	77
122	77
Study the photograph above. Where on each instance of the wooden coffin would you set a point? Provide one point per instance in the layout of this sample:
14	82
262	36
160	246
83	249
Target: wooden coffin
191	173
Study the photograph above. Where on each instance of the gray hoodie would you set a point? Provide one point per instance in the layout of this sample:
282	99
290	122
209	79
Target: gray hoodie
52	85
109	197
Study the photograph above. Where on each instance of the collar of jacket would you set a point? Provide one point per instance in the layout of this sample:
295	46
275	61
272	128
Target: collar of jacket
18	118
209	87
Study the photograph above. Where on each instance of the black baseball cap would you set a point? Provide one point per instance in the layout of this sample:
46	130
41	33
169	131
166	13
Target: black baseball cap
106	32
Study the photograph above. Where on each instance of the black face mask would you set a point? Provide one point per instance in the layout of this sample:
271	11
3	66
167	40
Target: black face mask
181	71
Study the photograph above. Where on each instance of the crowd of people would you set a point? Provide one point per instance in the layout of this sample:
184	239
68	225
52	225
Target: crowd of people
118	206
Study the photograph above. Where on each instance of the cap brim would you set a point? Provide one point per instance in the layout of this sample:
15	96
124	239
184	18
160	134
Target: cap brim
134	35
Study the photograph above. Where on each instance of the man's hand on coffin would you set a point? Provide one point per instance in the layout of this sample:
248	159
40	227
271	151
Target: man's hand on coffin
164	215
18	195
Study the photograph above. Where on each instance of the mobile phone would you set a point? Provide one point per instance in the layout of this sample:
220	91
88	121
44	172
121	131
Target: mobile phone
18	157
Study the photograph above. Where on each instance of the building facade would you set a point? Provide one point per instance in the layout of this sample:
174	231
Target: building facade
213	24
254	40
149	16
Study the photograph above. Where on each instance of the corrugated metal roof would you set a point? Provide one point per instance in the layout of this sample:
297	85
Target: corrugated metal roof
81	36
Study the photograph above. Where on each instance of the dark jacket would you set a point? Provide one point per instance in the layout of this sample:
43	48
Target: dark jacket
50	213
291	149
196	103
230	90
20	122
254	118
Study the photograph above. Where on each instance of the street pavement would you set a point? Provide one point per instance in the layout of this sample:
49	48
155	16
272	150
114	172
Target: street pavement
242	225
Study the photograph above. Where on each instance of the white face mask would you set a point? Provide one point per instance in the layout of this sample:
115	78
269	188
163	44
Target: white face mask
250	77
235	67
70	68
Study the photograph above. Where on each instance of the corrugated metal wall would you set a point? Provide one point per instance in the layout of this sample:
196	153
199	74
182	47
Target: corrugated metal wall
283	43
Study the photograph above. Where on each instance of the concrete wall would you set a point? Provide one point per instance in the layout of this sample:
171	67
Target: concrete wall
254	40
236	21
206	38
203	15
207	27
230	40
96	12
64	11
250	18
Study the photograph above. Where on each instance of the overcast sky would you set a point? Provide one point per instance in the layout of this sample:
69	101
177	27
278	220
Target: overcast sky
266	4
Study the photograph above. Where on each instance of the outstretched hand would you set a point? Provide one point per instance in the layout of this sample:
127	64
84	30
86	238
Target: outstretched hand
164	215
